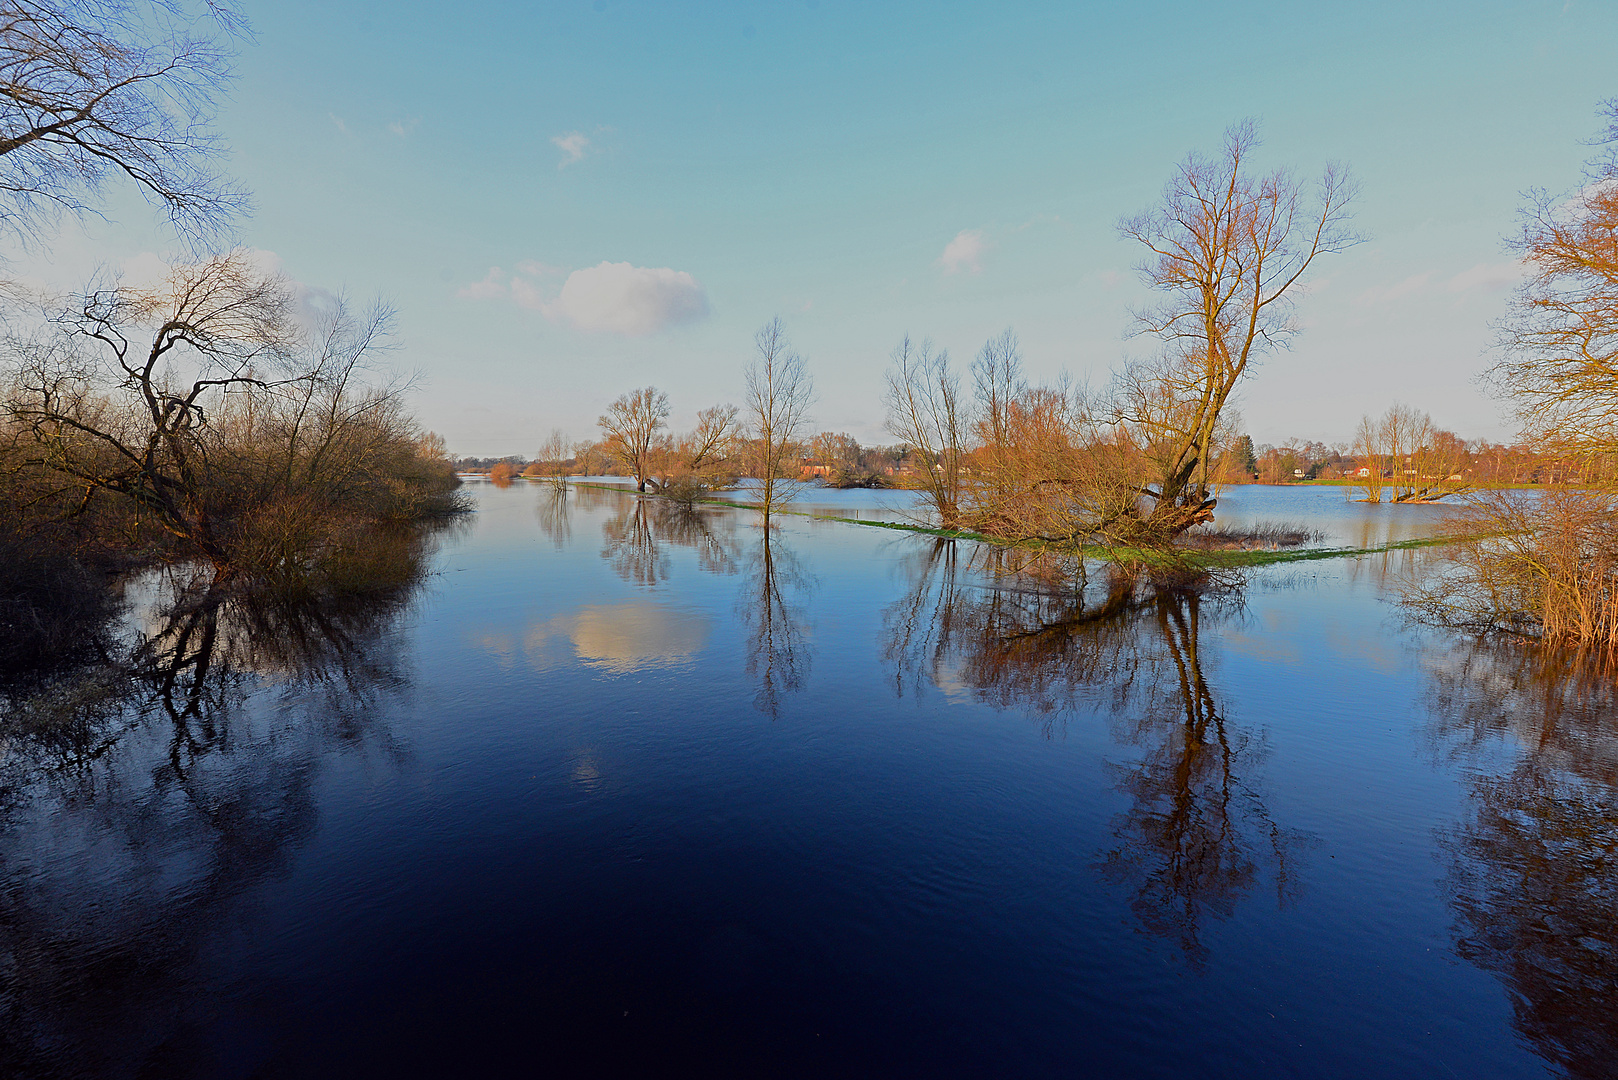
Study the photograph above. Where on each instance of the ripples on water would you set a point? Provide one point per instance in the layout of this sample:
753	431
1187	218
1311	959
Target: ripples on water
599	785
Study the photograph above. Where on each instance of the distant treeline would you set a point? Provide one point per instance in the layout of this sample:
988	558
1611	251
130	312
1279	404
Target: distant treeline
835	459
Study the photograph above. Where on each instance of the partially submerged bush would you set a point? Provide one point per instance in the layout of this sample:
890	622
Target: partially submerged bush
686	489
1541	564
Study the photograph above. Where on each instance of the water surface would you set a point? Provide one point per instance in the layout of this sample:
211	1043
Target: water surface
619	788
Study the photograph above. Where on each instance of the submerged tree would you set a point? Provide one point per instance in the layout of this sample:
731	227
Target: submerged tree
688	467
1546	563
926	411
779	393
1405	451
1132	467
631	424
1226	247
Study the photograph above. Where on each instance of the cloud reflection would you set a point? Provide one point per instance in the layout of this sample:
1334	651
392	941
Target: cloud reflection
619	638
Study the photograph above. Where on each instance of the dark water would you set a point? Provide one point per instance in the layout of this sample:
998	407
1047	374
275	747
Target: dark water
622	792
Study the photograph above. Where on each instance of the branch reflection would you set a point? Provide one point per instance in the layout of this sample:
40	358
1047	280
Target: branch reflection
145	797
1037	637
636	540
1533	877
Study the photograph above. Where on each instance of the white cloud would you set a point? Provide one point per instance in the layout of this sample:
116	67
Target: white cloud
612	298
402	128
337	122
493	285
965	252
574	145
619	298
527	294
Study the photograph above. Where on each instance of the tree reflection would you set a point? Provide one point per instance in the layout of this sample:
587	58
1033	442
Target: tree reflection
1038	636
1533	877
771	606
554	513
145	797
637	539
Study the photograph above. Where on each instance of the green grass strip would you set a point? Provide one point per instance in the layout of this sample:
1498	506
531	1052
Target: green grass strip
1223	560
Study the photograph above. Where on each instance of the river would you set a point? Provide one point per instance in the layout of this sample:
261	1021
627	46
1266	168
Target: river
617	789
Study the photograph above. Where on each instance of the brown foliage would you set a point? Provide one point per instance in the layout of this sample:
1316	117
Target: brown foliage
233	436
1542	563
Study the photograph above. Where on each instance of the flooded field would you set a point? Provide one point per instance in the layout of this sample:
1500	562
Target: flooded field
617	785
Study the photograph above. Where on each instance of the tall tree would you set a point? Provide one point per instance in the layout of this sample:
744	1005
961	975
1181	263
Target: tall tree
779	393
926	411
1225	247
631	425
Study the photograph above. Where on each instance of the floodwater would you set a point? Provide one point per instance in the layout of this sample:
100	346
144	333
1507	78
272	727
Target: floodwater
615	790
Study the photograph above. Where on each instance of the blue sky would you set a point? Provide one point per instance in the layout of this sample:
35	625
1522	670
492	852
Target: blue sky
477	164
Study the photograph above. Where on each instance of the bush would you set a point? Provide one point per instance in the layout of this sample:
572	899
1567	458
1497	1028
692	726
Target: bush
686	490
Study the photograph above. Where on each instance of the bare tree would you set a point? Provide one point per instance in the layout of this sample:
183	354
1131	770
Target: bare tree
1369	448
688	467
99	89
779	393
707	450
925	410
1546	563
217	325
1560	337
997	381
1225	248
227	425
591	457
1404	450
631	424
551	463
